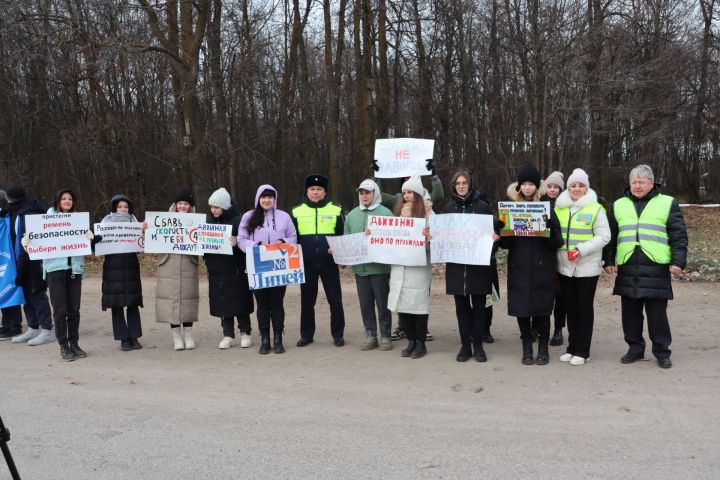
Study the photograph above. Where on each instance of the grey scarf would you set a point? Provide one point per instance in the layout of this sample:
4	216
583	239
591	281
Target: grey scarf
119	217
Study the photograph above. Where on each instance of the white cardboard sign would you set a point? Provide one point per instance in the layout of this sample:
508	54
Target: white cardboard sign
56	235
119	237
215	238
275	265
396	240
349	249
403	157
170	232
461	238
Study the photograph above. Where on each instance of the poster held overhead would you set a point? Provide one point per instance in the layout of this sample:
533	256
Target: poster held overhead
403	157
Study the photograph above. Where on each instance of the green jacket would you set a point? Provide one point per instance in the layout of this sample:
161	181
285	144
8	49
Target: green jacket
355	222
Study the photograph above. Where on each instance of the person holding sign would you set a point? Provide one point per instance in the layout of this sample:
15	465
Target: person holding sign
229	291
469	284
649	244
177	292
372	279
64	278
585	231
29	272
531	271
554	185
121	284
267	225
316	218
409	293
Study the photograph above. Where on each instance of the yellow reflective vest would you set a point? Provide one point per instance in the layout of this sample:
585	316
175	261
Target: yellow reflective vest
649	231
311	221
578	227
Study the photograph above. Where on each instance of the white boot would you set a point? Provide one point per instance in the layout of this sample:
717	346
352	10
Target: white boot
189	342
177	337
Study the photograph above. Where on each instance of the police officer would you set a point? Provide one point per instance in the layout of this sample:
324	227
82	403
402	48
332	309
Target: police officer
316	218
649	244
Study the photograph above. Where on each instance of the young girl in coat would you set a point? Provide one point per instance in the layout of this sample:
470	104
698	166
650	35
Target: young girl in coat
121	285
64	279
554	185
267	225
585	231
409	293
177	291
531	271
229	291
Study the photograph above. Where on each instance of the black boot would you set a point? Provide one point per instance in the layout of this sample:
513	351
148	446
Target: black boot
79	353
557	338
264	341
409	349
487	336
420	350
534	335
66	353
479	352
527	358
465	350
543	357
277	342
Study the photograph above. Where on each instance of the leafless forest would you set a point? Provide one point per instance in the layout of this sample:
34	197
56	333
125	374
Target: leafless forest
141	96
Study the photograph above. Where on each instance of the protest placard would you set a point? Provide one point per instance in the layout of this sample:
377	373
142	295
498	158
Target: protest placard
524	219
215	238
349	249
396	240
170	232
119	237
275	265
403	157
56	235
461	238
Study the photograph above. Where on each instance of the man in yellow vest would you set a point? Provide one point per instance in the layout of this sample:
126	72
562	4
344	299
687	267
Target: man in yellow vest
316	218
649	243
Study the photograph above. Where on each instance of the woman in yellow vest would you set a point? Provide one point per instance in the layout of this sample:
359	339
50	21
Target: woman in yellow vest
585	231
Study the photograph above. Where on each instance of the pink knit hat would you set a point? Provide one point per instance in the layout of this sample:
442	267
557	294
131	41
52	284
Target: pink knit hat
556	178
578	176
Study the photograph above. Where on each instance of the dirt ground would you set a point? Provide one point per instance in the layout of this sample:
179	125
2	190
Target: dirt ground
327	412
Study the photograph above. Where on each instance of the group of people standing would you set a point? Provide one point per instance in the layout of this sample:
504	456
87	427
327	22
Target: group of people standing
642	239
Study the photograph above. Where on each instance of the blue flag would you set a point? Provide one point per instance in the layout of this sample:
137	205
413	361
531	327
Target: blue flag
10	294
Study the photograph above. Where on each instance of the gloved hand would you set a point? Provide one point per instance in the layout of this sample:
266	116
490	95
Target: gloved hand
430	165
25	241
89	235
374	166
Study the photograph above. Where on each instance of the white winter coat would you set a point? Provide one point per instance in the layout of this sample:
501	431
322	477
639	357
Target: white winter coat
590	262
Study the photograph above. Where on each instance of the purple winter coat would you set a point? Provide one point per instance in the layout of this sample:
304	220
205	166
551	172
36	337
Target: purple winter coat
278	225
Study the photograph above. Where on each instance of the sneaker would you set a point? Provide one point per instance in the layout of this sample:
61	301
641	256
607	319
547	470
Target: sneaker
398	334
66	353
566	357
245	340
370	343
46	336
429	337
385	344
29	334
226	343
576	361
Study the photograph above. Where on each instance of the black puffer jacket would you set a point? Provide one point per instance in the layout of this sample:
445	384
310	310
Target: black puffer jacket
469	279
532	263
29	272
640	277
229	292
121	286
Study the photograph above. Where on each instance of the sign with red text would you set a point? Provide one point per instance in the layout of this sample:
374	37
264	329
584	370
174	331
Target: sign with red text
396	241
403	157
215	238
466	239
56	235
170	232
274	265
119	237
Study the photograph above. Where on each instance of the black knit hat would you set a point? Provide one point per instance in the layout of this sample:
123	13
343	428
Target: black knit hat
528	174
15	194
316	180
185	195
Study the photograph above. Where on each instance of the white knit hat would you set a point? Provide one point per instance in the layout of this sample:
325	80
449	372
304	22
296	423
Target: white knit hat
220	198
579	176
414	183
556	178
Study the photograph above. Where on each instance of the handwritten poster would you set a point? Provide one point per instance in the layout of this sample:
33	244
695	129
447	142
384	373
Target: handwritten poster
461	238
169	232
396	241
403	157
119	237
58	235
524	219
215	238
349	249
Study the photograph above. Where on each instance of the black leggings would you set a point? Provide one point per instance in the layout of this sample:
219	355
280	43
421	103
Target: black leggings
415	326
